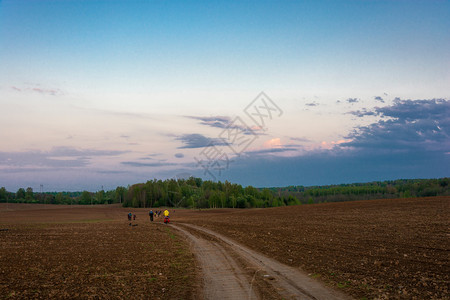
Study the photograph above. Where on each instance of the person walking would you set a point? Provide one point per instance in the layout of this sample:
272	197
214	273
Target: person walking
151	215
166	217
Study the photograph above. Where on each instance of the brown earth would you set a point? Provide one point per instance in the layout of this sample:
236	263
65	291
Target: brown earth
375	249
90	252
383	249
232	271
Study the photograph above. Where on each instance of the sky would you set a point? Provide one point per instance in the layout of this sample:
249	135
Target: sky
100	94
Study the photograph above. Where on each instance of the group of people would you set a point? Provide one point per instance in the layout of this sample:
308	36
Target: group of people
131	217
151	215
158	213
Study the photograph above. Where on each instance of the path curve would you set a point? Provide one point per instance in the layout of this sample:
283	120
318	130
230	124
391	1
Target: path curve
223	278
233	271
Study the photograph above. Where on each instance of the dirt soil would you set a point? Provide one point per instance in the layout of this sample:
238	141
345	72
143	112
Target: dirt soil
91	252
377	249
232	271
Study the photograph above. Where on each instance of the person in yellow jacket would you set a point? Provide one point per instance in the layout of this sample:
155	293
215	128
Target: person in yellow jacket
166	217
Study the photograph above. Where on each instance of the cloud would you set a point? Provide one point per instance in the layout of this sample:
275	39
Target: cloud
215	121
301	139
146	158
52	92
378	98
412	141
362	113
335	167
272	150
140	164
273	143
228	123
42	91
273	146
64	157
412	125
352	100
108	172
70	151
410	110
179	155
197	140
150	156
332	144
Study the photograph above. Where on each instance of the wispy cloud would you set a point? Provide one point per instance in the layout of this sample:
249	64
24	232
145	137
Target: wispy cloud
70	151
141	164
67	157
282	149
378	98
352	100
214	121
362	113
227	123
301	139
42	91
196	140
108	172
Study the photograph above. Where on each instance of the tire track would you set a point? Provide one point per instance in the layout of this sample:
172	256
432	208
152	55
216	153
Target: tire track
223	278
224	264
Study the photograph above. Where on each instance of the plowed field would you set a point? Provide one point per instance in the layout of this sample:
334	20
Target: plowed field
377	249
90	252
397	248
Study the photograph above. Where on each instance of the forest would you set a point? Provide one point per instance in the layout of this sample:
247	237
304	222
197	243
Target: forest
197	193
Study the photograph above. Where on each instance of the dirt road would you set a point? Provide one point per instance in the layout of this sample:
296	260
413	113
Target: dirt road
232	271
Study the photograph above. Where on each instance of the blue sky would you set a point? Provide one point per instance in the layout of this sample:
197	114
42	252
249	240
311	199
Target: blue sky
107	93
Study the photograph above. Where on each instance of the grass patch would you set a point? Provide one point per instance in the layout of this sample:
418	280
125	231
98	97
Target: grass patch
171	235
344	284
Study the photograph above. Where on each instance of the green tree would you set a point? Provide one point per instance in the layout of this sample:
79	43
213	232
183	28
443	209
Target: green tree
29	194
59	198
241	203
3	195
100	197
20	194
120	194
85	198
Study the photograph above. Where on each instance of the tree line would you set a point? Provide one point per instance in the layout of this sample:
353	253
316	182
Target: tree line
197	193
71	198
